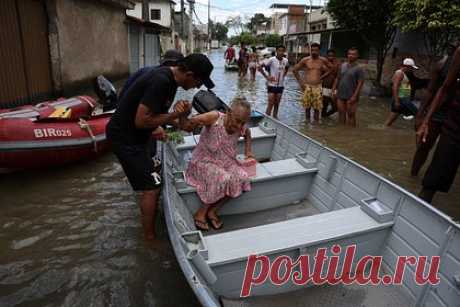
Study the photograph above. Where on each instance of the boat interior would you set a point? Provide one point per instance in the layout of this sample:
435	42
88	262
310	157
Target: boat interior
304	196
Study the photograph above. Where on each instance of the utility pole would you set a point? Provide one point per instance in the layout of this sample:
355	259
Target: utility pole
190	26
209	25
182	11
145	17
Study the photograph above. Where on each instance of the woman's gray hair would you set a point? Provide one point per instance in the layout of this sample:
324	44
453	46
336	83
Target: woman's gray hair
241	102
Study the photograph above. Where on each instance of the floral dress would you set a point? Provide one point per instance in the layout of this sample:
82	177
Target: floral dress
214	169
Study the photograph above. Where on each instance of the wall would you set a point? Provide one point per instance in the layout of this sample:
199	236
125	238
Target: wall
164	6
87	38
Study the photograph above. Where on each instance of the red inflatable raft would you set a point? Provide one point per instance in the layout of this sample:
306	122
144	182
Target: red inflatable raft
32	137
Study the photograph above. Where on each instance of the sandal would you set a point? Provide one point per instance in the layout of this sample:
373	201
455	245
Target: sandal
216	223
201	225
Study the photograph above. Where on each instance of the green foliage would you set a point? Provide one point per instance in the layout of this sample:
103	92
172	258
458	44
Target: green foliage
175	136
439	20
372	19
247	39
273	40
218	31
255	20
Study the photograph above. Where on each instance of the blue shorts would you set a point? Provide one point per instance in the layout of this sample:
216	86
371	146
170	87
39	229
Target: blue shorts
275	89
406	107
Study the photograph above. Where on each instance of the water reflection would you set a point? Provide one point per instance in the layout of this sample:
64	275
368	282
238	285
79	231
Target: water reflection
71	237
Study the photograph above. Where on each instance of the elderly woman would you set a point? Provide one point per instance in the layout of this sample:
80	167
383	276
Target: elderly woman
214	169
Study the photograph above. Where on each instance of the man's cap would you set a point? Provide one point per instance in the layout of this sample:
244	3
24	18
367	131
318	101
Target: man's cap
171	55
410	62
200	65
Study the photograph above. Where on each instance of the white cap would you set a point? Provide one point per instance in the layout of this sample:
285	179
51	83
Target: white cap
410	62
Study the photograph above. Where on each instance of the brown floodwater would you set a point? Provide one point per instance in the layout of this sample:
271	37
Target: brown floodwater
72	236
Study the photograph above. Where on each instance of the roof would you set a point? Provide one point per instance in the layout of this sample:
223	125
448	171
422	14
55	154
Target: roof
147	24
286	6
125	4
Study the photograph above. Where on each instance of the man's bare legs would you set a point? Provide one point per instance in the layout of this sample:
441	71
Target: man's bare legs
271	103
316	116
351	113
342	107
277	100
391	119
148	204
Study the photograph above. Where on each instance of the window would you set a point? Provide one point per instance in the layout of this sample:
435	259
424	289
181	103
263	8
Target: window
155	14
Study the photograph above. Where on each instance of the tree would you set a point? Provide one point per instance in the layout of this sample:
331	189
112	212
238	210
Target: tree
438	20
247	39
273	40
372	19
256	20
218	31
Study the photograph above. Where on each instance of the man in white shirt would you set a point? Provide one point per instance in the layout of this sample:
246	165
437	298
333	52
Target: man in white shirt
277	68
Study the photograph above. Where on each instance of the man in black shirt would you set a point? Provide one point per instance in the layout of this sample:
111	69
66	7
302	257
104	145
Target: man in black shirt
143	109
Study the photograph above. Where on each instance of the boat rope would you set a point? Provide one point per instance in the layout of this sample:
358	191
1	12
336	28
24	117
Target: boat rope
86	126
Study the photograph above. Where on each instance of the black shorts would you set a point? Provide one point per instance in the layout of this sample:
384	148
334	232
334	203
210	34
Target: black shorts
443	168
140	165
275	89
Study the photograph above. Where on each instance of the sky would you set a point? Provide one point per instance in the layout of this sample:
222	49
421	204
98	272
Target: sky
223	9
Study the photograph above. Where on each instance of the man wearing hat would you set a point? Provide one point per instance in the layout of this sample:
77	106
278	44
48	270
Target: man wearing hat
402	89
144	108
170	58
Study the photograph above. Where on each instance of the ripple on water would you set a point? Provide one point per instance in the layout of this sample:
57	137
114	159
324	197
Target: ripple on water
19	244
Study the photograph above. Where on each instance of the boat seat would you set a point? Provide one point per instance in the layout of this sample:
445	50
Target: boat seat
303	232
262	143
277	183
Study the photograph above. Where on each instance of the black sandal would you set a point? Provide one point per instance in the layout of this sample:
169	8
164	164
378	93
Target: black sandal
199	225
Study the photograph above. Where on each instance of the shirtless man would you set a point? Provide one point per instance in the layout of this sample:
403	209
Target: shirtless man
315	70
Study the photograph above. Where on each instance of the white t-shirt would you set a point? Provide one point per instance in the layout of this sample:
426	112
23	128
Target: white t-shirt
277	69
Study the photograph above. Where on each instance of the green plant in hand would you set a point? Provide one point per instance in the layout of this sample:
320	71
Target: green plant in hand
175	136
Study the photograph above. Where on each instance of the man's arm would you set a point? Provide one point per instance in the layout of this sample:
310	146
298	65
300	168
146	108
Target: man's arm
358	87
431	90
397	78
148	120
327	71
439	99
296	70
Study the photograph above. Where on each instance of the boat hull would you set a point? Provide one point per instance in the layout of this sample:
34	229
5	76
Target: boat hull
340	193
27	144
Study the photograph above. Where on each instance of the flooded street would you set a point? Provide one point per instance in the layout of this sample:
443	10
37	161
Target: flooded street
72	237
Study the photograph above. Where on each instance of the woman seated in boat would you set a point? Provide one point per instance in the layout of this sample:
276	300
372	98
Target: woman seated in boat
214	169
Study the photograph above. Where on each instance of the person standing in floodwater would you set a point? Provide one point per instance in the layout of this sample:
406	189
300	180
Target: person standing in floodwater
253	63
401	103
347	88
328	83
315	70
143	110
277	68
446	160
438	76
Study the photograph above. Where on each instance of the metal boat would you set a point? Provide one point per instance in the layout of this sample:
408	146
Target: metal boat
307	197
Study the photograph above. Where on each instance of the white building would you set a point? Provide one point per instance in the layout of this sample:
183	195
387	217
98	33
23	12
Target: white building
160	12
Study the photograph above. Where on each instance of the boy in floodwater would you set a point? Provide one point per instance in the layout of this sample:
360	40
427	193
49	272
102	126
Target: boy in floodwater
214	169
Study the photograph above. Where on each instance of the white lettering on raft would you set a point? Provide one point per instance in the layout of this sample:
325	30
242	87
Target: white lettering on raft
49	132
